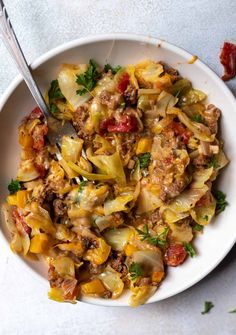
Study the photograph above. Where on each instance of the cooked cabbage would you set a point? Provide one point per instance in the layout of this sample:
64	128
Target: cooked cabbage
71	148
110	165
112	281
141	294
118	204
148	199
117	238
27	171
199	130
67	82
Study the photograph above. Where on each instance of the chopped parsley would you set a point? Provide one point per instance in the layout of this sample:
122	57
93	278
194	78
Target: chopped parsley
88	79
205	217
14	186
144	160
232	311
207	307
54	94
135	271
114	69
82	185
221	202
213	162
197	118
198	227
189	249
159	239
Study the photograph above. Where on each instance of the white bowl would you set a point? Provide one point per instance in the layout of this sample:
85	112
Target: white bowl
218	237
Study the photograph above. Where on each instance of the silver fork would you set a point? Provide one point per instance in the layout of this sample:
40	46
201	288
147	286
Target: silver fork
57	129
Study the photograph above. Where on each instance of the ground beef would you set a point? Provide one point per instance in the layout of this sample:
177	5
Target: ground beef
117	263
60	208
211	116
80	117
112	101
201	161
171	71
143	281
89	243
130	95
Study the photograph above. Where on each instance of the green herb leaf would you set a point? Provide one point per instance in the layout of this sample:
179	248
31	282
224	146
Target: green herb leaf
82	185
213	162
88	79
135	271
159	239
198	227
144	160
232	310
221	202
189	249
14	186
207	307
114	69
54	94
205	217
197	118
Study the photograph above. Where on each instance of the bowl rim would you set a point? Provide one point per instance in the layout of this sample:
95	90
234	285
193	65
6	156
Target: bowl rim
140	39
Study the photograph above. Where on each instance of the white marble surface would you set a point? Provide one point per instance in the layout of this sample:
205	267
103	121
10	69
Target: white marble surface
200	26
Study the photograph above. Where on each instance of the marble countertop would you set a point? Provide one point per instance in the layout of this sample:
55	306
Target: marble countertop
199	26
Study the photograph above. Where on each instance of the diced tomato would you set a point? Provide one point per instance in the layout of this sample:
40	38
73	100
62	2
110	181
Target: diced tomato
35	114
123	82
181	131
228	60
20	222
126	124
104	124
39	132
175	255
41	170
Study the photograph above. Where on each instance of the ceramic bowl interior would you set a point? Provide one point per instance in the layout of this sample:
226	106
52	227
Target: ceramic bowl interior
218	237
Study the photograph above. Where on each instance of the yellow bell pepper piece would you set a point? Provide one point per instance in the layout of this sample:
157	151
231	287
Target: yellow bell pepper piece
157	276
100	254
144	145
39	243
94	287
56	294
22	197
12	200
130	249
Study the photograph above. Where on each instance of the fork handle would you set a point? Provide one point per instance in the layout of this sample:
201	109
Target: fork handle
13	46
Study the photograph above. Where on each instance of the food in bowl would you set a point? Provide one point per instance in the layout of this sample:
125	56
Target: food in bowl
123	201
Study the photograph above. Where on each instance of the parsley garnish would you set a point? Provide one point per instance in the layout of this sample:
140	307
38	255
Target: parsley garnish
88	79
14	186
135	270
54	94
114	69
198	227
159	239
207	307
82	184
205	217
232	310
197	118
213	162
144	160
221	202
189	249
